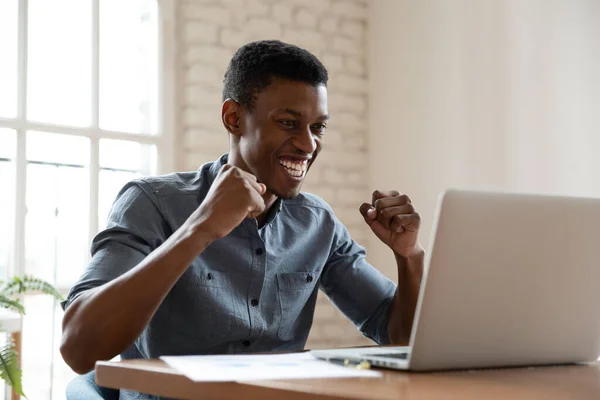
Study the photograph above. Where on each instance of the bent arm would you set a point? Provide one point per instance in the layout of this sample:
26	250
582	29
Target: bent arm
404	303
102	322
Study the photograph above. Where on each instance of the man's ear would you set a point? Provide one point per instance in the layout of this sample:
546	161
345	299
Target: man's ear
230	115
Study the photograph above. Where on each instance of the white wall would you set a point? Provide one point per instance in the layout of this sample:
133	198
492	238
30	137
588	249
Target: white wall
335	30
483	94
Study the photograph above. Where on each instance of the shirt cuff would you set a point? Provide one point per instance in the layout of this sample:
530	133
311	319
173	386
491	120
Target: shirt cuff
376	327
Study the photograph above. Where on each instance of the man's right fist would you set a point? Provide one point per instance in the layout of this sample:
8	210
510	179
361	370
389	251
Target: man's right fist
233	196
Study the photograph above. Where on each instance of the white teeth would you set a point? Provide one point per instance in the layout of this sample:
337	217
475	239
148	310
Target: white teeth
296	169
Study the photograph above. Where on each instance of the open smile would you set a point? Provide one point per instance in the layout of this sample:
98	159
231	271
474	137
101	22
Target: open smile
295	168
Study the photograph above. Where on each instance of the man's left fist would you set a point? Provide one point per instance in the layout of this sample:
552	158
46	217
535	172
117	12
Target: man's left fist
393	219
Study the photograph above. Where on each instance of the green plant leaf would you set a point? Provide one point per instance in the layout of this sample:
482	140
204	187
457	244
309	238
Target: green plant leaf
28	284
11	304
10	371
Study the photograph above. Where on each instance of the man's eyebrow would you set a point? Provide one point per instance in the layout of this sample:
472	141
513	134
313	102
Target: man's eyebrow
298	114
293	112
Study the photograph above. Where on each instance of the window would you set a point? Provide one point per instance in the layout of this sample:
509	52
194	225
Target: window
79	117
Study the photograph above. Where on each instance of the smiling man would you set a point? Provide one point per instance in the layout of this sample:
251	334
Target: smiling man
229	259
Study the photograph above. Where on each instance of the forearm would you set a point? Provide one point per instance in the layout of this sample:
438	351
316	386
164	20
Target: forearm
103	322
404	303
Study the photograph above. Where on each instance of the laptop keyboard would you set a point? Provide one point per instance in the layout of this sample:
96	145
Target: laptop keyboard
401	356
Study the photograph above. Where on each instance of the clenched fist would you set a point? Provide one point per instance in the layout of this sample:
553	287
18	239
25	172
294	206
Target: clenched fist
233	196
393	219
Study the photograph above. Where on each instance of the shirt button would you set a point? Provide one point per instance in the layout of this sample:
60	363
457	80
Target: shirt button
246	343
254	302
309	279
259	252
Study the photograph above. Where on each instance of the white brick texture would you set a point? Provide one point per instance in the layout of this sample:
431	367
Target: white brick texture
334	30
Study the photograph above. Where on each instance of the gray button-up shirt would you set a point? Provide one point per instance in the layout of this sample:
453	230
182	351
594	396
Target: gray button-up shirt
251	291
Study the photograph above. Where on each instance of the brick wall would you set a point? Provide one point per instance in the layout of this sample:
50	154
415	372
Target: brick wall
335	31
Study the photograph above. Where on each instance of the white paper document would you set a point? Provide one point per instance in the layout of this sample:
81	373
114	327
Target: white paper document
227	368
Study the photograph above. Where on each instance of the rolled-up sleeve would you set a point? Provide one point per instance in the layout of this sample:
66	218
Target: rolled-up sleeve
359	290
135	227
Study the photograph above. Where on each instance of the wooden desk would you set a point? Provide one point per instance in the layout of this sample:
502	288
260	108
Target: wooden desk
548	383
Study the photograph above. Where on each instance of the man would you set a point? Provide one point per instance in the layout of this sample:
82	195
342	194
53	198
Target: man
229	259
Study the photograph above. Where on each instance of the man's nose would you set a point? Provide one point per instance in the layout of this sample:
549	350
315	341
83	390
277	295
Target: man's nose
306	142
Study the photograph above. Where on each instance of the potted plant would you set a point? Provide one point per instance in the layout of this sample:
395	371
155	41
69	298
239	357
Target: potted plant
10	298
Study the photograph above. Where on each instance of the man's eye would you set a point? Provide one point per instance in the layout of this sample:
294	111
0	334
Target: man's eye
319	127
288	123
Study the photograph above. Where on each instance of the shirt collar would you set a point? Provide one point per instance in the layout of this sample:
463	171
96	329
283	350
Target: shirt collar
214	169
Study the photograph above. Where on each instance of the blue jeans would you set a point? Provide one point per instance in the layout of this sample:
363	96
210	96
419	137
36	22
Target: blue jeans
84	387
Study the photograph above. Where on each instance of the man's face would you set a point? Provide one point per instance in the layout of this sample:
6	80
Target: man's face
283	134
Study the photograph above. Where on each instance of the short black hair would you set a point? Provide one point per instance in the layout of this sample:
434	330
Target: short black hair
255	64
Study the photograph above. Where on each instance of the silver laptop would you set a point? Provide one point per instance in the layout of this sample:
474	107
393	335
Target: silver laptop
510	280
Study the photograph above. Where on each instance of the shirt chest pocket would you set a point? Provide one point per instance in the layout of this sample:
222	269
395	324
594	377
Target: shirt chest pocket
297	292
201	305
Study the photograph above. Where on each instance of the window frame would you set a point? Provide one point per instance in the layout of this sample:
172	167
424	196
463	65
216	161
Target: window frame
164	139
